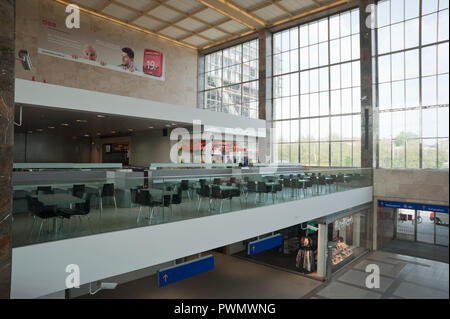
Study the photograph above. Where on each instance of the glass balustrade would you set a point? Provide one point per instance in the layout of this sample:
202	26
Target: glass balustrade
69	207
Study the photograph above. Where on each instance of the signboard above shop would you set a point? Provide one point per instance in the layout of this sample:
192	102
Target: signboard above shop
414	206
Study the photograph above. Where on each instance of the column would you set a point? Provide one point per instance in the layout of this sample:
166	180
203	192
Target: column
7	61
357	230
367	97
321	250
265	93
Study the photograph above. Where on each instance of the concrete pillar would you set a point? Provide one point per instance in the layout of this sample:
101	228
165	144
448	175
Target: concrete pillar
357	230
7	61
367	96
265	146
321	250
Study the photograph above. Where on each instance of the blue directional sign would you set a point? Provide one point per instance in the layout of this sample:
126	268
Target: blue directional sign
185	270
413	206
257	246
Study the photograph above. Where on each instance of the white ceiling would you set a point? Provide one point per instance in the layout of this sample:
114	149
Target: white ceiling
200	24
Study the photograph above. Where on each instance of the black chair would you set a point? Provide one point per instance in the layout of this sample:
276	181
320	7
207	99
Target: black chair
79	190
218	194
251	188
133	196
44	190
81	209
185	187
108	191
144	199
37	209
217	181
262	188
205	192
277	187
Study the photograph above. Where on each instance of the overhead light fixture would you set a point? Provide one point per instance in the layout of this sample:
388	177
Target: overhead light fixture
30	132
81	121
64	124
101	116
113	132
39	130
150	127
86	135
98	134
51	127
103	285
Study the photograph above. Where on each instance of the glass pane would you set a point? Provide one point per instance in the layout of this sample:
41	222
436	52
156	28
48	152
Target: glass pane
385	126
397	37
335	128
411	33
384	17
412	93
335	51
304	130
335	102
304	105
356	127
295	131
429	121
398	125
429	91
304	82
356	154
285	108
346	127
345	24
398	67
323	53
412	9
397	11
324	154
304	36
443	122
346	101
336	154
347	153
285	150
314	104
294	153
294	84
385	153
412	64
443	153
398	95
429	61
304	58
443	89
313	56
285	62
356	100
429	28
293	34
285	131
285	41
323	79
398	153
429	6
412	124
294	60
355	21
442	228
443	55
324	100
325	129
277	42
384	92
412	154
355	47
334	27
304	153
346	75
313	33
335	77
384	40
346	49
384	69
314	81
443	4
277	109
323	30
429	153
314	153
443	26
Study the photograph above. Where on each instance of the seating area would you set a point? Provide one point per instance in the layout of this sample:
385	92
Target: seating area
93	207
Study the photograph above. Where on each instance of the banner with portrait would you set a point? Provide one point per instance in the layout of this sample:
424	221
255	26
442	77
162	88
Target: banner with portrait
95	46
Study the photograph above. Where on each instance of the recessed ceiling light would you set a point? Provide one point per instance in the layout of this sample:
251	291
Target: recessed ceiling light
150	127
86	135
39	130
99	134
81	121
114	132
30	132
51	127
64	124
101	116
130	129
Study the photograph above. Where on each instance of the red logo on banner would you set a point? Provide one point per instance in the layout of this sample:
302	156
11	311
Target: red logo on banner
153	61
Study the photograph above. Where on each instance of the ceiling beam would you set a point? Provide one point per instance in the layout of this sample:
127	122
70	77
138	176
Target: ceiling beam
226	10
130	26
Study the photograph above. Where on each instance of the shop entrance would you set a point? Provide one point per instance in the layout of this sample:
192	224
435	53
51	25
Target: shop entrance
423	226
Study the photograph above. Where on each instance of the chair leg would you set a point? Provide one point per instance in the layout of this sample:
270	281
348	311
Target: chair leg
31	229
40	229
221	203
139	215
199	204
115	203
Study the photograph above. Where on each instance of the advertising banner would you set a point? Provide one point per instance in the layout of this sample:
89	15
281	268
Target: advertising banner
94	46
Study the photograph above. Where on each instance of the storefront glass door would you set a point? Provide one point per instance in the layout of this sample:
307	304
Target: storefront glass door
425	227
406	224
442	229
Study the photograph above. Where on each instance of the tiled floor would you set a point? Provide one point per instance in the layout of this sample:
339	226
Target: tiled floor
125	218
401	277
